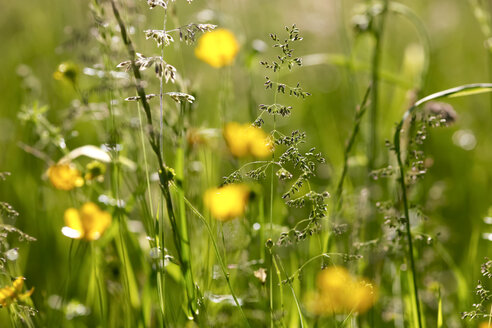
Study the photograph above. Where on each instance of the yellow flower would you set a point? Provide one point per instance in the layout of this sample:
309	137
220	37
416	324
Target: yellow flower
95	170
88	223
67	71
217	48
10	294
245	139
228	202
485	325
339	292
65	176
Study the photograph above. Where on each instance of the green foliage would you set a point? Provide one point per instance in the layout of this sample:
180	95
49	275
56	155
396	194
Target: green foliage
407	207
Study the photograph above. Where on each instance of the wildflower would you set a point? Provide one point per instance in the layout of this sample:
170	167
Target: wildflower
199	136
10	294
217	48
65	176
88	223
340	292
244	140
485	324
228	202
95	170
66	71
261	275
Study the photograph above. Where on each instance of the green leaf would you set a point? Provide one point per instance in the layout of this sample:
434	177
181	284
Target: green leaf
471	91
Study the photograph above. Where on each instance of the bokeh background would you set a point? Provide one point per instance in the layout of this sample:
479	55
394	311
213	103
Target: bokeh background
456	194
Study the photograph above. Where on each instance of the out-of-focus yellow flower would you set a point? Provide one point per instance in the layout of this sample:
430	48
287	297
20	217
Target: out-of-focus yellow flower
65	176
95	170
88	223
485	325
10	294
228	202
217	48
245	139
66	71
339	292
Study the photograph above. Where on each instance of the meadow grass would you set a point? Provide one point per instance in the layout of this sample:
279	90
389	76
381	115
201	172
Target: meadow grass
245	164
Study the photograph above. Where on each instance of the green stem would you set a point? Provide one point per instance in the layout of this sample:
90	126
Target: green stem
463	90
337	200
97	277
358	117
219	257
161	93
164	175
376	60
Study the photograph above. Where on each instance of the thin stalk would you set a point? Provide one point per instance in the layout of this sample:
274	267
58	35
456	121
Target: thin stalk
279	277
289	282
347	50
219	257
159	242
261	215
337	200
409	240
184	238
271	211
414	19
161	93
481	9
376	60
164	175
359	113
120	246
97	277
464	90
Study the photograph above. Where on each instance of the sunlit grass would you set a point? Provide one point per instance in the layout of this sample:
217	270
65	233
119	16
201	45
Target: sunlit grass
198	164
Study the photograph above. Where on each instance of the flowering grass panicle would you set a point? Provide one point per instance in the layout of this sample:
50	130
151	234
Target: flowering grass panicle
217	48
227	202
88	223
65	176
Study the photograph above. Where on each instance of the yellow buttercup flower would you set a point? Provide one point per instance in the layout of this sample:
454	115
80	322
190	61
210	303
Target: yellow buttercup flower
339	292
65	176
260	144
217	48
228	202
10	294
88	223
245	139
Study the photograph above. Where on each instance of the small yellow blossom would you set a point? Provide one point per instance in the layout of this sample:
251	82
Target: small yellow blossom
65	176
66	71
88	223
340	292
10	294
485	325
228	202
95	170
245	139
217	48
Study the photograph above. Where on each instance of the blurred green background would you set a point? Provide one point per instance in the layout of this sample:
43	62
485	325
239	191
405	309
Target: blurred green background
456	195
